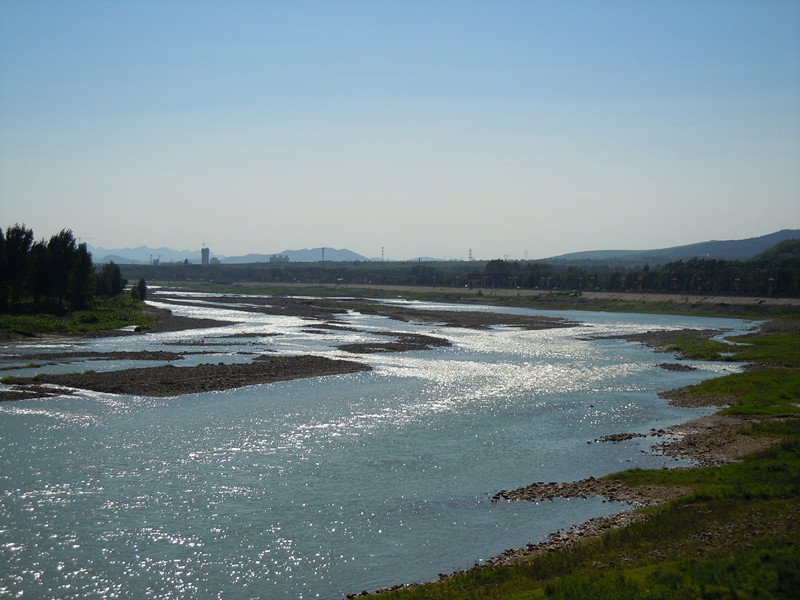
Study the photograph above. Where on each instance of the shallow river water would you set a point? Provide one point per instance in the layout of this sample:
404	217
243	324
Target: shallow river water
320	487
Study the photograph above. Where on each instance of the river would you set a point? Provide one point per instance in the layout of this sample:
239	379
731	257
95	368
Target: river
320	487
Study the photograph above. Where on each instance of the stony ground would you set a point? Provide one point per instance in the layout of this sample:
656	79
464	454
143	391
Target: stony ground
168	380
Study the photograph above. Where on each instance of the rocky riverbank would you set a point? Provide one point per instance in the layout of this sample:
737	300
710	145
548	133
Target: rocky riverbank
611	490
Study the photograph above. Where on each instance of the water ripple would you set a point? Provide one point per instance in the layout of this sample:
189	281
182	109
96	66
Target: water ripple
321	487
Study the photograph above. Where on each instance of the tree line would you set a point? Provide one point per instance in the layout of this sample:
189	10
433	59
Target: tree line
774	275
777	273
53	275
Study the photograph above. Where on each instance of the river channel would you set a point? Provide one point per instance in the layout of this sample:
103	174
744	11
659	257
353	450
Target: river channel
320	487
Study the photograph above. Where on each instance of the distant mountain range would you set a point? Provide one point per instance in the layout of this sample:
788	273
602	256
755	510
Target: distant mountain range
143	255
304	255
728	250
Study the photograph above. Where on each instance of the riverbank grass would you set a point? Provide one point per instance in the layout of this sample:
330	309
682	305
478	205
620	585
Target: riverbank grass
106	314
770	386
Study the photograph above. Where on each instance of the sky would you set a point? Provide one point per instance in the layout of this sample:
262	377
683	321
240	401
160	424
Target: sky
447	129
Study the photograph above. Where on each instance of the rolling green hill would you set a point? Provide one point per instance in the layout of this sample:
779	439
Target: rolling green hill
727	250
786	250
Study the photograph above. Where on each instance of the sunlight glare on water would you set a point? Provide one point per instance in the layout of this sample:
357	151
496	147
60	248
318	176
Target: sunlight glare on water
320	487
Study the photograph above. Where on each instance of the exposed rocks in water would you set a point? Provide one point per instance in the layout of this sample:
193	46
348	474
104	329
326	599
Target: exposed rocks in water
404	342
247	334
170	380
570	538
117	355
332	327
619	437
165	321
273	305
677	367
176	323
468	319
585	488
219	341
31	391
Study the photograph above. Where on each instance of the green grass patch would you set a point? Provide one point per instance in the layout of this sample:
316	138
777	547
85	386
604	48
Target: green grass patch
108	313
770	391
753	478
779	349
696	347
770	387
776	349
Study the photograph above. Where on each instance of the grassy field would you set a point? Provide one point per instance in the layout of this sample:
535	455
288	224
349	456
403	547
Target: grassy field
108	313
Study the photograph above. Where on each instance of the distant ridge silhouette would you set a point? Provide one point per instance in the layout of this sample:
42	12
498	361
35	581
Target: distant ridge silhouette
727	250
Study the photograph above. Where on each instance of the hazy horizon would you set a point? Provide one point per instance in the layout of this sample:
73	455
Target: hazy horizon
194	253
508	129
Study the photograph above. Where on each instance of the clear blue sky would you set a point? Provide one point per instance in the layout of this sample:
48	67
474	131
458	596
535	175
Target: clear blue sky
507	128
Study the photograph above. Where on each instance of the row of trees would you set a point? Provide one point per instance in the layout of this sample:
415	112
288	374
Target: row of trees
329	272
55	275
779	277
777	274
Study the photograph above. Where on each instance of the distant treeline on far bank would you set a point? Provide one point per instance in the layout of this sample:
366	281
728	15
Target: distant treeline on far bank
775	272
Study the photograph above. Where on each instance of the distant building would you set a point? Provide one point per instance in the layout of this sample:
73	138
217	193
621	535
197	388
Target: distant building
205	252
214	260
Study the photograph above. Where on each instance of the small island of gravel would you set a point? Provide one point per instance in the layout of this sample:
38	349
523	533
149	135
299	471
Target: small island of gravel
169	380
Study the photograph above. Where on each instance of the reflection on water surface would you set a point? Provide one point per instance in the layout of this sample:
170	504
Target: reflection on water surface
318	487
